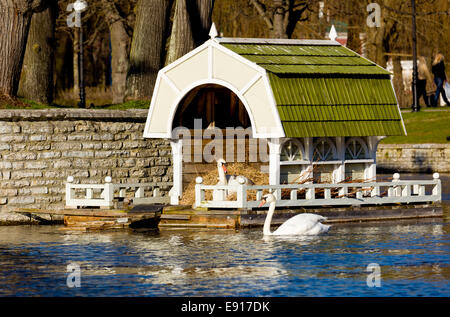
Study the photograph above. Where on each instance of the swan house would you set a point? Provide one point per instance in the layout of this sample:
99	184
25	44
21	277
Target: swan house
318	106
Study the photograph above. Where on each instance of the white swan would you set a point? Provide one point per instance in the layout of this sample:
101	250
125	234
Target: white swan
231	180
302	224
222	169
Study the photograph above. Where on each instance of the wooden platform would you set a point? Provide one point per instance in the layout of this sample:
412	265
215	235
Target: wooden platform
234	219
102	219
179	217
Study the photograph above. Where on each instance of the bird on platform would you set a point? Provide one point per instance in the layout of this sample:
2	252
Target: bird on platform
232	180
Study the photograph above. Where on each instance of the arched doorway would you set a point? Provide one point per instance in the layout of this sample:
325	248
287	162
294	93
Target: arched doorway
212	122
215	105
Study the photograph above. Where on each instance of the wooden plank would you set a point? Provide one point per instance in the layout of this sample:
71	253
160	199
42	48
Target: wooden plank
175	217
79	212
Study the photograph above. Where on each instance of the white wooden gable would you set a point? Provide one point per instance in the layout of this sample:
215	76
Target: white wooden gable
212	63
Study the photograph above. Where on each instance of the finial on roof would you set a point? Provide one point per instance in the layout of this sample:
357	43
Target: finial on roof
333	33
213	32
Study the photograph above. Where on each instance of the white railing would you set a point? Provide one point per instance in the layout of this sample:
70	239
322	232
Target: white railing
302	195
105	195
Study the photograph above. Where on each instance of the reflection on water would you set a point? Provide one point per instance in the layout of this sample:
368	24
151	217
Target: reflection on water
413	255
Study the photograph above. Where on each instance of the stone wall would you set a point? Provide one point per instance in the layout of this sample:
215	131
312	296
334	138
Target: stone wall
39	149
414	158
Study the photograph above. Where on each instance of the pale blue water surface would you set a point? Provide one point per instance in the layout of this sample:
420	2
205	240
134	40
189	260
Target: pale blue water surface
414	258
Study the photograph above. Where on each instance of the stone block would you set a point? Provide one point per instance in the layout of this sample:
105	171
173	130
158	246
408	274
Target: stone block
36	165
49	155
38	190
103	154
9	127
131	144
21	200
58	138
104	163
79	137
5	165
64	127
130	162
91	145
39	147
8	192
7	138
43	127
25	174
62	164
112	145
66	146
79	154
103	136
20	156
37	137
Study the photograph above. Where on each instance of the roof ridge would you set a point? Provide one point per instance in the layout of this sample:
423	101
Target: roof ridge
238	40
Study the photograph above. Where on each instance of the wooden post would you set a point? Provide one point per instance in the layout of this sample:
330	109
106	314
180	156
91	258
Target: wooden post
339	170
327	193
274	161
293	194
375	191
343	191
70	192
177	158
139	192
109	191
311	193
437	191
199	192
397	190
241	194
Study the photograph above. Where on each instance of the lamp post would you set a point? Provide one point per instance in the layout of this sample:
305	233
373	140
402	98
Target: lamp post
79	6
415	105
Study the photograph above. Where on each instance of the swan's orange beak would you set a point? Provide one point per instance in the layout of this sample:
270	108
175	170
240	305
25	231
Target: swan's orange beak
262	203
224	168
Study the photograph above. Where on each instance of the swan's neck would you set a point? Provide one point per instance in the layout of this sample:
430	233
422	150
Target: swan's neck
268	221
222	178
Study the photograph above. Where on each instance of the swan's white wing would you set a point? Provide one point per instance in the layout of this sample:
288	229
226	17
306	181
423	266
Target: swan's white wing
299	224
318	229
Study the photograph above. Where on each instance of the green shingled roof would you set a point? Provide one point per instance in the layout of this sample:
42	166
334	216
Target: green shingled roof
324	89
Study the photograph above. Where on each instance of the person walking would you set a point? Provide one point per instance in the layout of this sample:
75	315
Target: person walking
423	76
440	78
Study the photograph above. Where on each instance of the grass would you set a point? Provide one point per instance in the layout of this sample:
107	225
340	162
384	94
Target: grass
427	126
430	125
22	103
96	98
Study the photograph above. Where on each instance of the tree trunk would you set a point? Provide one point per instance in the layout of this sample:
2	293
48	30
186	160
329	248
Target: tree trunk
202	14
181	38
14	27
279	30
375	47
37	72
76	69
120	42
398	81
191	25
147	47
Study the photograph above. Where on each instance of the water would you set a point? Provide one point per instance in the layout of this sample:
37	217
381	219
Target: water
413	256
